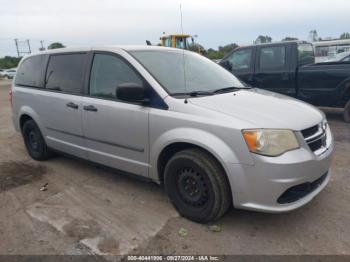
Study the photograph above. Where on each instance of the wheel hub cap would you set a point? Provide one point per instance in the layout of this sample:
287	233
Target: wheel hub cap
192	187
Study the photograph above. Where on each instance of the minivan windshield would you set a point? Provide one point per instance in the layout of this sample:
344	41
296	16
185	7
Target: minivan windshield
185	72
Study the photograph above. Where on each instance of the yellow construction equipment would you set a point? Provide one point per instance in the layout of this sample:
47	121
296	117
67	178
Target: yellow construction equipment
176	41
181	41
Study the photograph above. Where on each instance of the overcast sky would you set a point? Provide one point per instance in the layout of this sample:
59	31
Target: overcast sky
219	22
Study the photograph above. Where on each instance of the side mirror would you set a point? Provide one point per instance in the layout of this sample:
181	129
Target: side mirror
226	64
131	92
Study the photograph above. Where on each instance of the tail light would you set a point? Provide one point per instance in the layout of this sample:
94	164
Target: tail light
10	96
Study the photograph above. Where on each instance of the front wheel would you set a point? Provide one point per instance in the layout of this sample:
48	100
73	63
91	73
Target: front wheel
347	112
197	185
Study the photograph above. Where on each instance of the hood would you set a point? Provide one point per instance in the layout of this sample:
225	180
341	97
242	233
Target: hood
262	109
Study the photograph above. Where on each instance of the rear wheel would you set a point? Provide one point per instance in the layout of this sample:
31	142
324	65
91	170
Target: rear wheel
347	112
197	185
35	142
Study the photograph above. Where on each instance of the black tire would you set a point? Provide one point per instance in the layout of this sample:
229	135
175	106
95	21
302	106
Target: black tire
347	112
197	185
35	142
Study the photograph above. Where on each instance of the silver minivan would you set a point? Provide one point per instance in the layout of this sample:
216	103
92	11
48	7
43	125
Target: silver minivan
179	119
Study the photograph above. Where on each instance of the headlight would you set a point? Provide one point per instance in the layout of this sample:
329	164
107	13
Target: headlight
270	142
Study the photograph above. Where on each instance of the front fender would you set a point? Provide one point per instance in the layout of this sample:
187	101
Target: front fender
208	141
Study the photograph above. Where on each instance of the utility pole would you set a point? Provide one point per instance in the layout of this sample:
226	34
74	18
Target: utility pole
30	51
23	47
16	43
42	48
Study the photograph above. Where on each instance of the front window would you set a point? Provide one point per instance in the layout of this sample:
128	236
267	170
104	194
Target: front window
184	72
241	59
182	43
107	73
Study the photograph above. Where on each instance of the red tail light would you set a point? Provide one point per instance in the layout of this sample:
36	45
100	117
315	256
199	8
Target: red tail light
10	96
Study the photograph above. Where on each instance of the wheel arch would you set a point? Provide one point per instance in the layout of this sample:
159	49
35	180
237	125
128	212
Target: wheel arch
165	147
345	90
26	113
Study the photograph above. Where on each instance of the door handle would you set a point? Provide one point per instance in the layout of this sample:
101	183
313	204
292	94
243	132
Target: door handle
72	105
90	108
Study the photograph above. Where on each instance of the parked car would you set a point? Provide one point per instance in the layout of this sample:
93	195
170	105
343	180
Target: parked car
179	119
1	72
289	68
344	57
9	73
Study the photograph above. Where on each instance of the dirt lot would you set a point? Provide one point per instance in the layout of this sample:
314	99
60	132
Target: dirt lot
87	210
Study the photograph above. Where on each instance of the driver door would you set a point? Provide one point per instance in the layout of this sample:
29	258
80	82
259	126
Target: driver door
116	131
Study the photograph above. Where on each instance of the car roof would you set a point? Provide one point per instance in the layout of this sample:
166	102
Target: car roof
108	48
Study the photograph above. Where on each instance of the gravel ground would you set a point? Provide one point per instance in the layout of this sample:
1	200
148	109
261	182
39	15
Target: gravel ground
89	210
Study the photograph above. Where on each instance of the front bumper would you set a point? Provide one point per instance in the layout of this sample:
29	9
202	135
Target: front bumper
259	186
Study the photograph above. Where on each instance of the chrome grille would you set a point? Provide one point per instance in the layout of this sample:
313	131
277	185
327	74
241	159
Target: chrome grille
316	137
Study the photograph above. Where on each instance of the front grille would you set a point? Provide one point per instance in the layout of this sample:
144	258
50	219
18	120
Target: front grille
310	131
297	192
316	137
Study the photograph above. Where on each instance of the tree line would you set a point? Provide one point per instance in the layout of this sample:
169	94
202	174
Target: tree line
214	54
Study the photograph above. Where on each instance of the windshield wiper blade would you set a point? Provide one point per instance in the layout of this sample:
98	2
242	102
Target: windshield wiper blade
227	89
200	93
194	93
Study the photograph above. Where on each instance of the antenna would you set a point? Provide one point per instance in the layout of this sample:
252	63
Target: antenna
183	54
182	29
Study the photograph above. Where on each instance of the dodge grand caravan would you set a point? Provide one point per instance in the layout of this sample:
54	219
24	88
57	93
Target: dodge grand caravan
179	119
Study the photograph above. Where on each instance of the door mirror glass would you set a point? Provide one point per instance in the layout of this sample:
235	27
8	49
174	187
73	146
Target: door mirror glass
131	92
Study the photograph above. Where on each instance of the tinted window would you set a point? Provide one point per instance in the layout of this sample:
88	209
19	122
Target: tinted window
305	53
272	57
65	73
30	72
184	71
241	59
107	73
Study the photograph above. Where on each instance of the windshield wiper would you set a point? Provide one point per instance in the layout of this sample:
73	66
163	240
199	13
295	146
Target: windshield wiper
228	89
194	93
200	93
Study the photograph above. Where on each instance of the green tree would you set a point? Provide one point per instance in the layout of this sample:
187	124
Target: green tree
9	62
345	36
195	47
263	39
289	38
221	52
55	45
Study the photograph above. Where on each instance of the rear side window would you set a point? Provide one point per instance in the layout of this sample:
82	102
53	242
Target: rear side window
30	73
305	53
273	57
65	73
241	59
107	73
